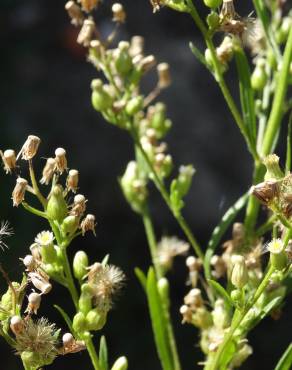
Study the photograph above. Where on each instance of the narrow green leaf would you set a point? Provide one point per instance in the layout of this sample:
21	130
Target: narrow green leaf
221	292
141	277
270	306
246	93
219	231
103	354
285	362
65	317
158	322
199	55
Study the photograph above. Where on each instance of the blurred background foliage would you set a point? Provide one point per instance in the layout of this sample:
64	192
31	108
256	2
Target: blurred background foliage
45	90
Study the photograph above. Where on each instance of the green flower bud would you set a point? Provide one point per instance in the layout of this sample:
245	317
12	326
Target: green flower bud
212	3
70	224
85	300
213	20
134	105
79	322
273	169
158	120
120	364
123	61
239	274
241	355
57	207
202	318
95	320
184	179
237	297
278	256
101	100
80	264
258	78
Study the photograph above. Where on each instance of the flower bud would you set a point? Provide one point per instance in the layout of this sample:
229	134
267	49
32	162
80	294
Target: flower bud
239	275
34	302
278	254
212	3
163	289
70	224
85	300
45	241
202	318
237	297
48	171
72	180
158	121
86	33
80	264
258	78
75	13
29	148
57	206
119	14
123	61
120	364
19	191
101	100
16	324
79	323
95	320
220	315
61	160
9	160
241	355
184	179
136	46
164	78
134	105
213	20
273	169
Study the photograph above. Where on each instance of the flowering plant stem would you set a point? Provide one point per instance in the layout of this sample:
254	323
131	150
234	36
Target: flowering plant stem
215	365
69	281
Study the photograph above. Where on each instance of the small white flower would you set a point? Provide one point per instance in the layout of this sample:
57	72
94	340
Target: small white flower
44	238
276	246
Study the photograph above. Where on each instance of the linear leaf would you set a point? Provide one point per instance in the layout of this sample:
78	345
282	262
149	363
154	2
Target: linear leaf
289	146
285	362
221	292
103	354
65	317
158	322
141	277
220	229
246	93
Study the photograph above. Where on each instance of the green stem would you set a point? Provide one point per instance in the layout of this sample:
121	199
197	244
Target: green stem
35	186
92	353
279	98
266	226
163	191
220	79
215	365
172	341
150	234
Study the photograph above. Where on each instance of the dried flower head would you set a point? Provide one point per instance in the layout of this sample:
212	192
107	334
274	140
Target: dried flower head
5	232
30	147
105	282
72	180
30	263
48	171
89	5
186	313
79	205
88	224
61	160
16	324
34	302
40	281
75	13
19	191
156	4
39	337
136	46
168	248
86	33
9	160
70	345
119	14
266	191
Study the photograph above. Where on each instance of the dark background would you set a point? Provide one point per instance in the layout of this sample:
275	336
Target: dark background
45	90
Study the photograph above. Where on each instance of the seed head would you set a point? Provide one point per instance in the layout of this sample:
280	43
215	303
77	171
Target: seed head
48	171
5	232
88	224
30	147
105	282
61	160
39	337
72	180
9	160
119	14
19	191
